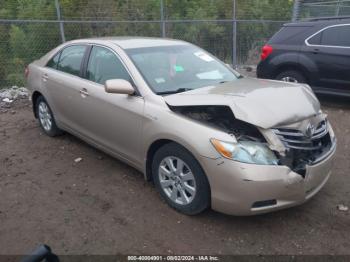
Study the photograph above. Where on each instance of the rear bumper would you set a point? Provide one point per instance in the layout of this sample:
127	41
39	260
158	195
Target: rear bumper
246	189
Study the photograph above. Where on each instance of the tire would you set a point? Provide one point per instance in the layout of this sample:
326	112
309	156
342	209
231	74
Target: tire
176	188
46	118
292	75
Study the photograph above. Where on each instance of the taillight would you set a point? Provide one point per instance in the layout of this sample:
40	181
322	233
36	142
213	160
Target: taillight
266	51
26	71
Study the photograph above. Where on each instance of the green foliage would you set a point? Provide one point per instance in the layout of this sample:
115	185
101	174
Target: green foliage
265	9
15	79
35	9
18	43
21	43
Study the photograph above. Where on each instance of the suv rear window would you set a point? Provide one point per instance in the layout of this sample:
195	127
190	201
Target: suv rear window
288	35
336	36
315	40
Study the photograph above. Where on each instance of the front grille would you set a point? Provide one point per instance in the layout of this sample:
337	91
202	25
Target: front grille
302	149
296	139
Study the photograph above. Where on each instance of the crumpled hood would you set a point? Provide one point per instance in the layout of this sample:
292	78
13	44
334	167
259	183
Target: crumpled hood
263	103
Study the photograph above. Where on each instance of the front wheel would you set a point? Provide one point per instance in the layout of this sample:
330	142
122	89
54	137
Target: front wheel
180	179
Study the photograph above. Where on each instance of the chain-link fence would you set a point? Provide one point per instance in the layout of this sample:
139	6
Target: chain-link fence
233	30
324	8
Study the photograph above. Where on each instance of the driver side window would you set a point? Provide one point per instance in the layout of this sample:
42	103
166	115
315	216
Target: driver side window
104	65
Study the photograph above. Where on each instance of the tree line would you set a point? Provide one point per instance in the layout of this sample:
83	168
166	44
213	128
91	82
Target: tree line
23	42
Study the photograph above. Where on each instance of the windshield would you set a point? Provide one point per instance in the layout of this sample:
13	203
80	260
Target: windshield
173	69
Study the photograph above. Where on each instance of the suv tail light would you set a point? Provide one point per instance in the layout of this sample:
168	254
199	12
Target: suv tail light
266	51
26	72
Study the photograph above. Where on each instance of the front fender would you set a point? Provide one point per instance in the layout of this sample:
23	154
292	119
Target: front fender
162	123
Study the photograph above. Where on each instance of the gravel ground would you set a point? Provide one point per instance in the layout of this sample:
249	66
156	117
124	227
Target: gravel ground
102	206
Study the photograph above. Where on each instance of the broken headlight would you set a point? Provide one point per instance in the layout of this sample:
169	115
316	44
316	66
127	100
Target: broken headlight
246	152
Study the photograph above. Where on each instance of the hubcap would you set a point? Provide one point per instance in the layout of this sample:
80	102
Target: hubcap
177	180
289	79
45	116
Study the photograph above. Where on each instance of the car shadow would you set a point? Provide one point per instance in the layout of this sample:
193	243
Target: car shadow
290	214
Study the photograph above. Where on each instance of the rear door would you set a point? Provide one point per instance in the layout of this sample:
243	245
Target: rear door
330	50
63	83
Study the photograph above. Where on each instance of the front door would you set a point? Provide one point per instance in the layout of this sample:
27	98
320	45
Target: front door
111	120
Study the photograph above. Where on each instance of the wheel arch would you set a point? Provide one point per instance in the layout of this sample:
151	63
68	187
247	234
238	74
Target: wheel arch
152	149
35	96
293	67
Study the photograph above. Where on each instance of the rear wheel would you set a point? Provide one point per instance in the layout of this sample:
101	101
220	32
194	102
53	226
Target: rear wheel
180	179
46	118
291	76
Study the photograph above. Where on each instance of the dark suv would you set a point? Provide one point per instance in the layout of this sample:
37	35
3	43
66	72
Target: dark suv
316	52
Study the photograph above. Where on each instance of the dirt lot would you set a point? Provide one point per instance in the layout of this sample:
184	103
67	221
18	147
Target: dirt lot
102	206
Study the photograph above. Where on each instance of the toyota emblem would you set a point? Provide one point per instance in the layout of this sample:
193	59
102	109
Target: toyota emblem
310	130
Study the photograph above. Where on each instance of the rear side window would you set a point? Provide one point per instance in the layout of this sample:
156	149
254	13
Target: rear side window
53	62
315	40
105	65
289	35
70	59
336	36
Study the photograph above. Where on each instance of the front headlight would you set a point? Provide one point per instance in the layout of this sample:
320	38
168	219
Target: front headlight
246	152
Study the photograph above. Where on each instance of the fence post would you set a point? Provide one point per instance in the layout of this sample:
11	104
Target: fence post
162	21
296	10
337	10
58	12
234	34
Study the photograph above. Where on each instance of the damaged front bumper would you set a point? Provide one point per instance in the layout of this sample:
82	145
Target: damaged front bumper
247	189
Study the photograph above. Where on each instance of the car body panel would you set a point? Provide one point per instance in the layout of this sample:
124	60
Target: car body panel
257	102
335	76
64	96
237	186
109	118
126	126
162	123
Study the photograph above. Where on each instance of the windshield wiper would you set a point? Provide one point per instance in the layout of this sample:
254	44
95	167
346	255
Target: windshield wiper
180	90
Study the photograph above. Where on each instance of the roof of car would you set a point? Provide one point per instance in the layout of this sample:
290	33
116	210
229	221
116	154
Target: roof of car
129	42
321	20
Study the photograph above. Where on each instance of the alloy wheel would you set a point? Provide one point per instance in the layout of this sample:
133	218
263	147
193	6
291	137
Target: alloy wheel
177	180
45	116
289	79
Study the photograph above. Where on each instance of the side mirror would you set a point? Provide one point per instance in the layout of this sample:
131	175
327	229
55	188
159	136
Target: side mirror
119	86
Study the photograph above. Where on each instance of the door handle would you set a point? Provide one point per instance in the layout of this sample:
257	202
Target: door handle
316	50
84	92
45	77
